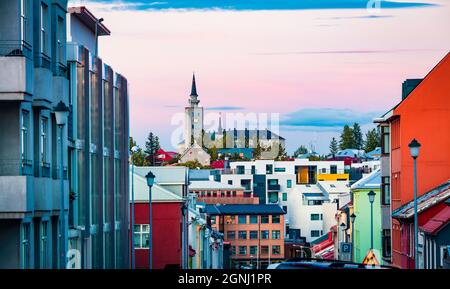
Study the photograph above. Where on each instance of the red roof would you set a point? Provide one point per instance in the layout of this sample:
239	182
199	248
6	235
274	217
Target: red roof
219	164
164	156
437	222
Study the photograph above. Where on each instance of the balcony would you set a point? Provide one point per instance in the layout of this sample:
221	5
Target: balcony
273	188
16	196
15	70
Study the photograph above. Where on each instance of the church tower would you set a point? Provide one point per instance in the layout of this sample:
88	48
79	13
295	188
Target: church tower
193	118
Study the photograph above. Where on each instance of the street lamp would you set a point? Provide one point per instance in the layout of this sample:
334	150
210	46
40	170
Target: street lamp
61	113
150	181
133	258
342	226
414	147
371	196
352	219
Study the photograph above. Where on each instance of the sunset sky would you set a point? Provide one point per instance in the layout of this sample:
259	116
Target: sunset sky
319	64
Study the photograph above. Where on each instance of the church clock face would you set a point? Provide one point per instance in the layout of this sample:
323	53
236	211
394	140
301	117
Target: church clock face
195	120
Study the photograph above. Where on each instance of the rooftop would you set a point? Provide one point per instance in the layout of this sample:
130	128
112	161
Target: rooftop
247	209
165	175
424	202
371	181
88	19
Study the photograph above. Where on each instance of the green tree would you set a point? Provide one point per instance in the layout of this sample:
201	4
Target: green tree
357	136
333	146
138	156
300	151
195	164
151	147
281	153
257	151
372	140
213	153
347	141
224	139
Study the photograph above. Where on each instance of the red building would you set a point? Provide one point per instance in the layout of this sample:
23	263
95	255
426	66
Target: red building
164	157
167	230
423	114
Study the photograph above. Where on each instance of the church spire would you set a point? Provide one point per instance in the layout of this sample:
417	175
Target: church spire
193	101
220	124
194	87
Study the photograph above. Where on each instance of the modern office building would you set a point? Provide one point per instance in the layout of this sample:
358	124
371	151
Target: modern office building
38	71
33	79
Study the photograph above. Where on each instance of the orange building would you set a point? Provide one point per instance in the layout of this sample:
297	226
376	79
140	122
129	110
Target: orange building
255	232
423	114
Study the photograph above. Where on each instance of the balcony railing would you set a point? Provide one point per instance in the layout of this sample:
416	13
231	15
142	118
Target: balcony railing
273	187
14	48
328	171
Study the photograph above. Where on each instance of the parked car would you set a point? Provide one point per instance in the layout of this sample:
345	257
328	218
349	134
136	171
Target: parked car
323	264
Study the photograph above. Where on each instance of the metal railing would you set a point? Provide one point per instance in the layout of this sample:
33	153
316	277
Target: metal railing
14	48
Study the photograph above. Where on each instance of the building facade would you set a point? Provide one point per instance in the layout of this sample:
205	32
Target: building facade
46	70
364	231
255	232
424	105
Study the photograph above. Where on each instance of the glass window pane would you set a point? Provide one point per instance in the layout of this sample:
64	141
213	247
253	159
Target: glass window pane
145	240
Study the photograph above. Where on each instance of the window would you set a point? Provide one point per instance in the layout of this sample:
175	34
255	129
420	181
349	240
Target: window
265	219
289	184
44	244
230	220
240	170
242	219
202	193
314	202
386	190
253	219
141	236
253	235
269	169
276	250
44	139
25	134
316	217
208	194
25	245
284	197
228	194
242	250
222	194
231	235
275	219
214	194
253	250
60	41
264	250
265	234
333	169
233	193
386	240
285	209
44	25
233	250
242	235
230	182
24	20
253	170
275	234
315	233
280	170
385	145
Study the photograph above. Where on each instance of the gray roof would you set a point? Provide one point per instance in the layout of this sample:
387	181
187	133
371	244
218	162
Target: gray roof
165	175
371	181
241	209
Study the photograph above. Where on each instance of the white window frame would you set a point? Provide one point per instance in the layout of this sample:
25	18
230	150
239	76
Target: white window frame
141	232
43	28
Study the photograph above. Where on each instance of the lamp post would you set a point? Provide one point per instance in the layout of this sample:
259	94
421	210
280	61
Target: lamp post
61	113
352	219
371	196
96	34
150	181
414	147
133	255
342	226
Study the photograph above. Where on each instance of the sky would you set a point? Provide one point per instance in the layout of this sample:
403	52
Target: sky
318	64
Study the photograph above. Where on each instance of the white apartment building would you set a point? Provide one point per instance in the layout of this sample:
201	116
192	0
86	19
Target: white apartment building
306	190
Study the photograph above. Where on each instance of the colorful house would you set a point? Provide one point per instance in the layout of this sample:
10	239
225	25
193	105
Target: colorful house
434	226
423	114
362	210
